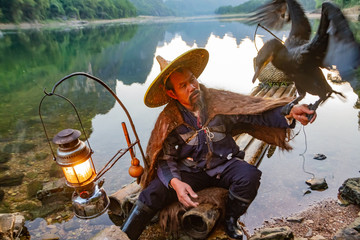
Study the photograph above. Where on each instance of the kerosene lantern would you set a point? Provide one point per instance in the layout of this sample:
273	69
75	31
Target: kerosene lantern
74	157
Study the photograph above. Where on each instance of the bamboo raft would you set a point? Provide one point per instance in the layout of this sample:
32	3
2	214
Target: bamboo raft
206	216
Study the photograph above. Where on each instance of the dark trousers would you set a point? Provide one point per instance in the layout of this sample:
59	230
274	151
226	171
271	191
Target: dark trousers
241	178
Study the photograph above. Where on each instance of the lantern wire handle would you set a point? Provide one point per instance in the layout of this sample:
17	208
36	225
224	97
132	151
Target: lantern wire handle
121	152
77	114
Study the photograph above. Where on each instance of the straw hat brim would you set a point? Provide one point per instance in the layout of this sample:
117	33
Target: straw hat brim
195	60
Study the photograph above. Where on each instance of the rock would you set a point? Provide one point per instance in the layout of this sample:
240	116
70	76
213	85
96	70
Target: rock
309	221
355	225
4	167
319	156
46	210
295	219
347	234
55	191
4	157
33	187
71	225
350	190
10	223
2	194
278	233
19	223
50	236
317	183
318	237
13	179
111	233
309	232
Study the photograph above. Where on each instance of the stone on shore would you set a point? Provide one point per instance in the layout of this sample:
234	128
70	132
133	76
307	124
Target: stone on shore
347	234
317	183
355	225
111	233
295	219
277	233
350	190
11	224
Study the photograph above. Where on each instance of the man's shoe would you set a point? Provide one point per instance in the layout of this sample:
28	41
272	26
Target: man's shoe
231	228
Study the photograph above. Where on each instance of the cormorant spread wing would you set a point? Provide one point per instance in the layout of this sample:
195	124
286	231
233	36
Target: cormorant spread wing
301	59
342	49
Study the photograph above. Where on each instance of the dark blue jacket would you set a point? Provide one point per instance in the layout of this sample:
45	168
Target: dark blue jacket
190	145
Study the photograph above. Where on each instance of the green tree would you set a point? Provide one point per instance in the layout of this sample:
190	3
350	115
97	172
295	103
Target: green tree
34	10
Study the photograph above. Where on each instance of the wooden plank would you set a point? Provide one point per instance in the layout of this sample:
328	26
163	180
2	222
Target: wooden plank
256	90
271	91
280	91
290	91
243	141
262	92
255	152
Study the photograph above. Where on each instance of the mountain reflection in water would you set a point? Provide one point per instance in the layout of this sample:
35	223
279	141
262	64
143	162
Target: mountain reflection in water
123	56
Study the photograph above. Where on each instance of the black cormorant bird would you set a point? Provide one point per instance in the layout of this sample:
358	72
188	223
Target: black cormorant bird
301	58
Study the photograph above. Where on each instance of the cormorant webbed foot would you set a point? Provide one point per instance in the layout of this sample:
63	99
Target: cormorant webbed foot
312	107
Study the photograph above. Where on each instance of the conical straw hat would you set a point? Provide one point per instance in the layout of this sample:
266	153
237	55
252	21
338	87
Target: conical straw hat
195	60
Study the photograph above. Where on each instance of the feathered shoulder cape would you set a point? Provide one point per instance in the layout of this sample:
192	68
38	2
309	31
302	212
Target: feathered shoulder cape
218	102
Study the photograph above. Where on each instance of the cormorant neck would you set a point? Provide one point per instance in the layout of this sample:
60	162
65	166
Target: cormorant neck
274	46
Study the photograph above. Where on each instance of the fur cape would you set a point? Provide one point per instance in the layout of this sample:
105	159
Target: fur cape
218	102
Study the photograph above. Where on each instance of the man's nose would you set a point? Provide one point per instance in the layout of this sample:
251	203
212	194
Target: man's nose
192	86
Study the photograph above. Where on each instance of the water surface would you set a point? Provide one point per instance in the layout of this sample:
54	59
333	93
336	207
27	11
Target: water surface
123	56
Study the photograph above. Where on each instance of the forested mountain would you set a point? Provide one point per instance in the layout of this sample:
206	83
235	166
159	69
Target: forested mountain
308	5
152	8
198	7
38	10
252	5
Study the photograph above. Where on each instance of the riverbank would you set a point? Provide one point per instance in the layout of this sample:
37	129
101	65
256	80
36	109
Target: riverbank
352	14
324	219
134	20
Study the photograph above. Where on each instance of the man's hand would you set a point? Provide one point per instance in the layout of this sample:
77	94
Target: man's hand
183	190
300	112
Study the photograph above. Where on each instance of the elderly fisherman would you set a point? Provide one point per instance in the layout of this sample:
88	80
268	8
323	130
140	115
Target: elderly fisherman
192	147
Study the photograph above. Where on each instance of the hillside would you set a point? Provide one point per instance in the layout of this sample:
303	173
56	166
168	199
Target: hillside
198	7
152	8
252	5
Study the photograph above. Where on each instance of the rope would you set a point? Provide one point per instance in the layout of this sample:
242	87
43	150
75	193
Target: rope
302	154
259	25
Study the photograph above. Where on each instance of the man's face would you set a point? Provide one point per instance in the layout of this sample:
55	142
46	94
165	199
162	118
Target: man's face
186	89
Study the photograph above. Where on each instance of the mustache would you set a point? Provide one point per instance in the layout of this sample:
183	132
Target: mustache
197	91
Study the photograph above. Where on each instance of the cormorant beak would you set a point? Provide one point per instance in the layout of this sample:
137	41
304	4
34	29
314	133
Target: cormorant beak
258	69
257	73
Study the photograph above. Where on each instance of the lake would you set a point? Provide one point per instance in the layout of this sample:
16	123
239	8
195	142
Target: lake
123	56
